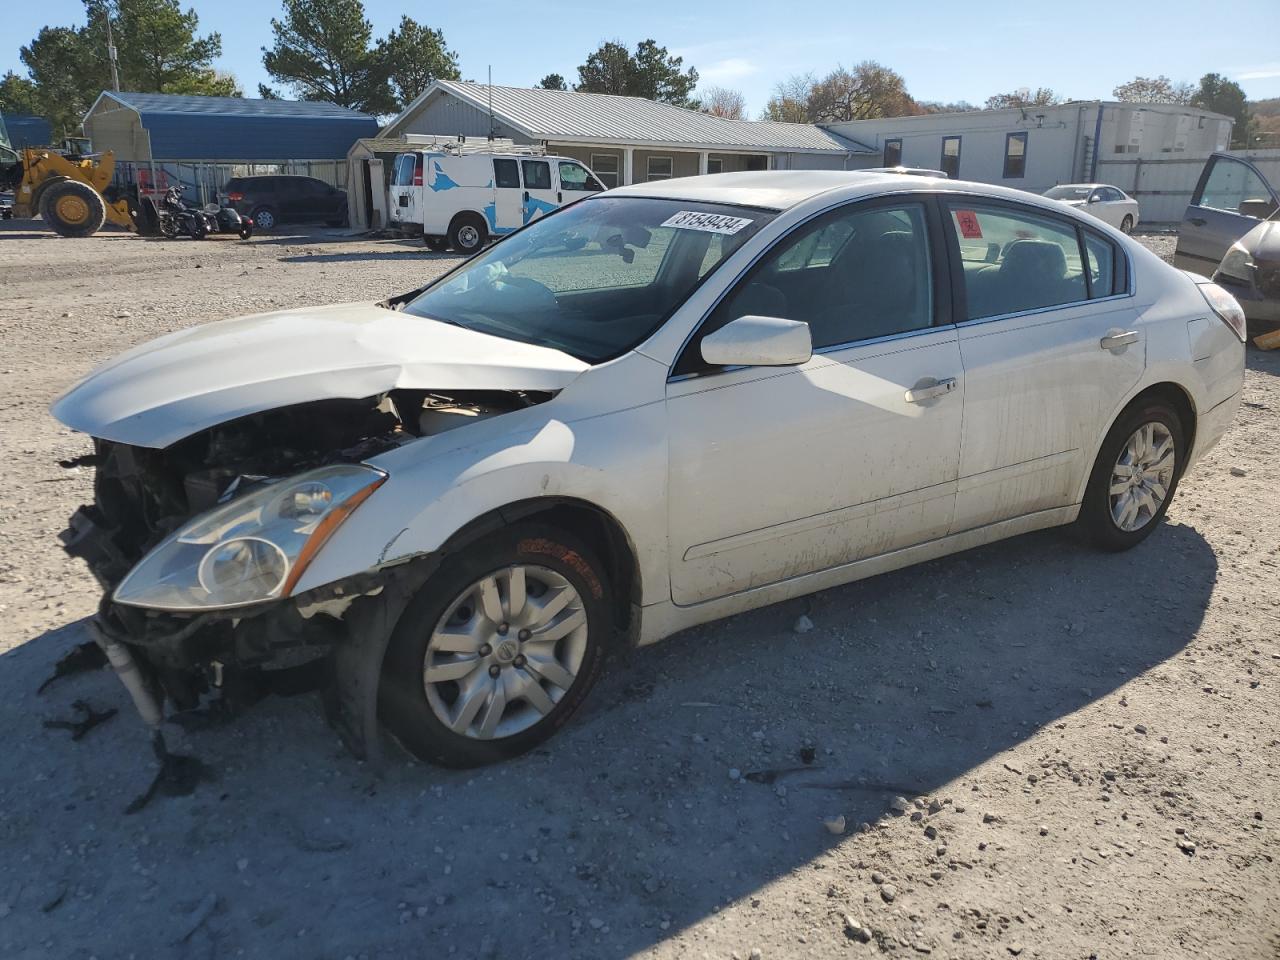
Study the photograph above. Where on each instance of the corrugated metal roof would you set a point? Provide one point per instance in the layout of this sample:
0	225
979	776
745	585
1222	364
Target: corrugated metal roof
565	115
233	106
27	131
231	129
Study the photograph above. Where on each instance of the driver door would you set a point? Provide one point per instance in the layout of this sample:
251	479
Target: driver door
1231	199
778	472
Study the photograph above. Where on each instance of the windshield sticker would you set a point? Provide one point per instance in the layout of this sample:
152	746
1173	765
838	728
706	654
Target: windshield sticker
970	229
709	222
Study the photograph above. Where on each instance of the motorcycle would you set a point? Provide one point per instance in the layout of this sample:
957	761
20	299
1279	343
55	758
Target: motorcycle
174	217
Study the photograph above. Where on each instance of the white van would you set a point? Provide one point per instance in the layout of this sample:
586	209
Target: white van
463	199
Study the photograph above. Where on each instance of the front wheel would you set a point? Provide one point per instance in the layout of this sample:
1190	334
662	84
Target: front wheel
498	649
246	231
1134	477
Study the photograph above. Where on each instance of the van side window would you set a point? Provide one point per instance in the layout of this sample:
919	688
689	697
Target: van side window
574	176
537	174
506	173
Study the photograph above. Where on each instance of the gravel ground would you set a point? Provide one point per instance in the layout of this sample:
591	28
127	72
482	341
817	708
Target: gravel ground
1037	750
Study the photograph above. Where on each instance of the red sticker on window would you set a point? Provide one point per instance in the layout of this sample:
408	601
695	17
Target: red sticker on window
970	229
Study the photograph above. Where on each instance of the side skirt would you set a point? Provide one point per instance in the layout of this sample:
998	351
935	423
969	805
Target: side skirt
665	618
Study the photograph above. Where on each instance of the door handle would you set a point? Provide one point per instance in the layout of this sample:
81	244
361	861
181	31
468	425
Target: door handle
930	388
1117	339
526	196
1197	221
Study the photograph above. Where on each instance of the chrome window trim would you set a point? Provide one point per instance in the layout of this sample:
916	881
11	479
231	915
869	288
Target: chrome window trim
964	324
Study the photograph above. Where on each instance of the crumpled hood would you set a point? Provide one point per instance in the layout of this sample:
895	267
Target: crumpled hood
189	381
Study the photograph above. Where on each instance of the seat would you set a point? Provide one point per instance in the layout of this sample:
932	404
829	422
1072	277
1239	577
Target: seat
1033	273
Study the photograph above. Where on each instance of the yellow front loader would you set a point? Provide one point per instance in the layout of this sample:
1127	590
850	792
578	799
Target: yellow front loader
68	192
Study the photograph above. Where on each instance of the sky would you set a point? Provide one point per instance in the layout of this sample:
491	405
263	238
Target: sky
945	51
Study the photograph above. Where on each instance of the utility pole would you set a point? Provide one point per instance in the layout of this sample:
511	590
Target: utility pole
111	52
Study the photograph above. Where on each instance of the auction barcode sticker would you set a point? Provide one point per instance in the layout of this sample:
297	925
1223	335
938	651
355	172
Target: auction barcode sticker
710	222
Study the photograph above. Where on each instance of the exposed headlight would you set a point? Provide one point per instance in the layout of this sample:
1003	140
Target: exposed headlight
252	549
1226	307
1238	264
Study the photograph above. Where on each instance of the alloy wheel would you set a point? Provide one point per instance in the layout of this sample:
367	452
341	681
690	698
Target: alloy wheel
1141	476
507	649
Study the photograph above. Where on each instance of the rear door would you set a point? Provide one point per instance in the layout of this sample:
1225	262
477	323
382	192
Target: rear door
1231	199
540	196
1051	344
401	193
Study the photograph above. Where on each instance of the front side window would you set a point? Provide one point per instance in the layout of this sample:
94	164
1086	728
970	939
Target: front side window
1231	185
950	164
537	174
594	278
506	173
660	168
853	274
605	166
1015	260
574	177
1015	156
893	153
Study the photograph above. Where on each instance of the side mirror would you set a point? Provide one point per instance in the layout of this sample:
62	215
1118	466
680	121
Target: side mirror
752	341
1095	198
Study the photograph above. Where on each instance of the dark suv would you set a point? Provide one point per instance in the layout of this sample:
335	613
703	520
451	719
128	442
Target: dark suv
283	198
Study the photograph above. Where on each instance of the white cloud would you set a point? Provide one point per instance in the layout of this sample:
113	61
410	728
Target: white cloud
727	71
1267	71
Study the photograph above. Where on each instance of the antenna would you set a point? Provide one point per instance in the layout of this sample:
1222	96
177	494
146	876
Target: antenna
490	101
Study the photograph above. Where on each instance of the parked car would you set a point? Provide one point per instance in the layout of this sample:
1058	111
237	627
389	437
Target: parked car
1109	204
465	200
1230	232
668	403
285	198
909	171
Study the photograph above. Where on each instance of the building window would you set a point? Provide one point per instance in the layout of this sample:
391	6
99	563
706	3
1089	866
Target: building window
715	165
950	164
660	168
605	167
1015	156
893	152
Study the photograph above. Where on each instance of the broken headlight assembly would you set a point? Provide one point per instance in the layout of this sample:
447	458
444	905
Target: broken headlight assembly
251	549
1238	265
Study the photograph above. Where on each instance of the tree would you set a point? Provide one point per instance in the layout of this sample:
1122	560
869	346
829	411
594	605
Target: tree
790	100
1153	90
937	106
552	81
868	90
1221	95
18	95
322	49
650	72
268	93
159	50
722	102
66	74
413	56
1023	97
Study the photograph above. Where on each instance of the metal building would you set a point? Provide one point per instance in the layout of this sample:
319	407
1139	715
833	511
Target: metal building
202	142
27	131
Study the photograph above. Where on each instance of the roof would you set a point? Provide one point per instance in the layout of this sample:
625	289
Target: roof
27	131
568	116
236	129
774	189
1035	109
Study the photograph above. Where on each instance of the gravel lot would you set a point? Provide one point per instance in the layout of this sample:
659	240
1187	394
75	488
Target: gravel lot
1083	746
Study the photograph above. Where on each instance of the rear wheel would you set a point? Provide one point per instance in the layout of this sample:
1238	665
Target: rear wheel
1134	477
467	233
264	218
73	209
498	649
1126	225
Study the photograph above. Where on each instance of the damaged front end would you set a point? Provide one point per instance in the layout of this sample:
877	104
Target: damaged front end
198	546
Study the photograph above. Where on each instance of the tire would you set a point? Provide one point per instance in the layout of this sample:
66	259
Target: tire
436	244
246	231
419	711
265	218
467	234
1126	225
1101	512
73	209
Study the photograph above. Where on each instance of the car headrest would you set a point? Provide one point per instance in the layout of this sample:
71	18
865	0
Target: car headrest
1037	258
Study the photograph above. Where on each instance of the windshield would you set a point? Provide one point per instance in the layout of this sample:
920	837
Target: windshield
1069	193
593	279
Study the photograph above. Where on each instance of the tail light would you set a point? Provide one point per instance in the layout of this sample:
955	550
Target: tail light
235	197
1226	307
417	174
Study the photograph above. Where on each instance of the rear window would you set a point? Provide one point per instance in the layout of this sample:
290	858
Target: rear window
236	185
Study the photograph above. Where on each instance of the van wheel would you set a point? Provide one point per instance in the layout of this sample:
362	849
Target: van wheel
467	233
1134	477
498	648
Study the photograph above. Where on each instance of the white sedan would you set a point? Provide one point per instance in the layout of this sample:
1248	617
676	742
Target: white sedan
1109	204
661	405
